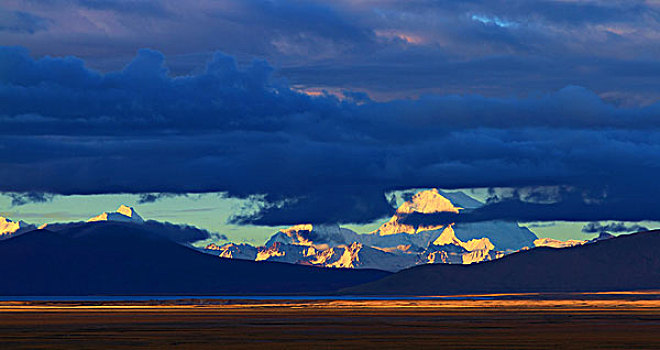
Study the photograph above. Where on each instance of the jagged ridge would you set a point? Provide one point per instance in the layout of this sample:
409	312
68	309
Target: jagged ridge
395	245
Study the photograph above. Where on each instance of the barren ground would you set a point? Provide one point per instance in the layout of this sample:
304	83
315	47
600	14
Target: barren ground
573	323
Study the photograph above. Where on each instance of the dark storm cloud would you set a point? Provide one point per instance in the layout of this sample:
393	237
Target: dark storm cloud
537	95
325	206
387	48
626	81
176	232
21	22
139	7
615	227
61	96
521	11
542	224
67	129
18	199
595	201
131	7
154	197
569	209
181	233
298	17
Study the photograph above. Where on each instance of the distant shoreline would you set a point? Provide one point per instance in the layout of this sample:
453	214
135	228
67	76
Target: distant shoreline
653	297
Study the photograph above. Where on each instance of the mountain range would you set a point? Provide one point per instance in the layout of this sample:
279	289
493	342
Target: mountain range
121	253
395	245
119	258
626	262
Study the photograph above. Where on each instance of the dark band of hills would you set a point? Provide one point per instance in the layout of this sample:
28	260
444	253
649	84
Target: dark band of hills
109	258
627	262
119	253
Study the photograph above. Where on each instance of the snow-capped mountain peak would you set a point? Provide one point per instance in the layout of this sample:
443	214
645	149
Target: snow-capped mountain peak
396	244
424	202
447	237
123	214
309	235
555	243
7	226
128	211
427	202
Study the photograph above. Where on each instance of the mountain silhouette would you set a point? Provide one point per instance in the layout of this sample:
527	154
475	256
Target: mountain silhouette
628	262
123	258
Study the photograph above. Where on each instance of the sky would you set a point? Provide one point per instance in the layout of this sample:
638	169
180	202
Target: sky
254	115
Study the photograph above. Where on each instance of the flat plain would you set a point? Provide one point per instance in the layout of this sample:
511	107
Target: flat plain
608	321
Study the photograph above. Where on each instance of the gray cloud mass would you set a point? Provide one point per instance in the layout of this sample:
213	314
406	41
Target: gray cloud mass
616	227
387	48
529	95
71	130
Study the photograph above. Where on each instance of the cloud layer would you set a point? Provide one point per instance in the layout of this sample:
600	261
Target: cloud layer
387	48
616	227
67	129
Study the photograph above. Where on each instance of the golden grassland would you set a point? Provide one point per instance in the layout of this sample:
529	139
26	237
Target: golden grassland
595	321
495	304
